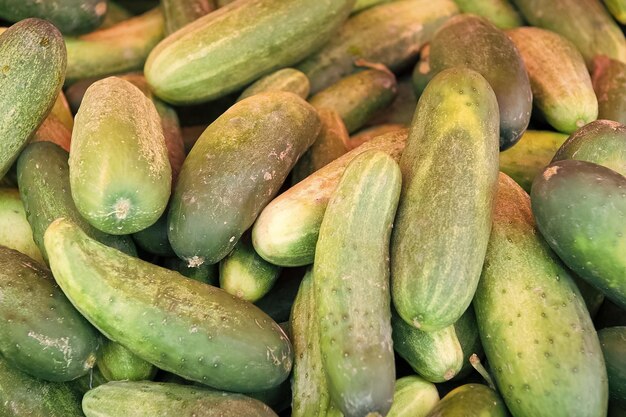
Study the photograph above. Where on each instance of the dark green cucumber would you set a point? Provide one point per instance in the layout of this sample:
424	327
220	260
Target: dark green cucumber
279	301
413	397
609	83
351	283
466	329
120	173
452	145
580	209
116	363
472	42
358	96
217	197
180	325
43	175
32	63
153	239
21	395
536	331
15	231
471	400
149	399
498	12
179	13
207	273
286	79
249	39
613	342
554	65
287	229
602	142
390	34
42	334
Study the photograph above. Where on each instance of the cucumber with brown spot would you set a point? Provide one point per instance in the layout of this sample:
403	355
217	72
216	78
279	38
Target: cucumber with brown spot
286	79
609	83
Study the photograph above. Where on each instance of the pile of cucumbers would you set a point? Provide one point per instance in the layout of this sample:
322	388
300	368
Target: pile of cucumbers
313	208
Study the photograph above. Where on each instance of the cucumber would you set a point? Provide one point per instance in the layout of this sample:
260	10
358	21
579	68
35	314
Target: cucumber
366	4
452	145
470	400
413	397
15	231
42	333
179	13
584	22
389	34
207	273
116	363
401	110
536	331
609	83
278	33
69	16
180	325
32	63
370	133
44	183
579	207
351	284
617	9
286	231
217	198
120	175
466	329
602	142
286	79
613	342
21	395
554	65
499	12
153	239
472	42
143	399
114	15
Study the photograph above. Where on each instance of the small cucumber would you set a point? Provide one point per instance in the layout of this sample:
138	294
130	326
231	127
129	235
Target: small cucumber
609	83
153	239
499	12
116	363
15	231
351	283
613	342
413	397
471	400
286	79
179	13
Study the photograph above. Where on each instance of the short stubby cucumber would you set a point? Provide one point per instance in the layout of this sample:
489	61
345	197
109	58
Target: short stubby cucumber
613	342
178	324
120	174
15	231
440	238
351	283
471	400
413	397
286	79
609	83
116	363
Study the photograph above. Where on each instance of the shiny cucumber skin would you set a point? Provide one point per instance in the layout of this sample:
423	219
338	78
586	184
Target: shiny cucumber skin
287	229
120	173
470	400
439	239
613	342
149	399
536	331
580	208
32	62
554	66
413	397
217	198
42	334
473	42
390	34
43	176
15	231
286	79
499	12
609	83
179	13
116	363
249	38
351	283
178	324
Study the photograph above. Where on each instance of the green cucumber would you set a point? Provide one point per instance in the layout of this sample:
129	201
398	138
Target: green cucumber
32	64
114	15
286	79
43	175
42	333
278	33
470	400
179	13
584	22
180	325
413	397
207	273
286	231
473	42
536	331
351	283
580	208
149	399
366	4
617	9
153	239
609	83
120	174
499	12
245	274
466	329
217	198
21	395
452	145
390	34
116	363
613	342
15	231
554	65
370	133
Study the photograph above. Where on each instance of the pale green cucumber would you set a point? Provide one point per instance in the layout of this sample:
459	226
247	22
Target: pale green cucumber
617	9
179	13
15	231
413	397
286	79
609	83
116	363
452	145
499	12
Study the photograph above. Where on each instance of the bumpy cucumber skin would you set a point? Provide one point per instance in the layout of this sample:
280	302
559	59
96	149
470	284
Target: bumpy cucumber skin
249	39
609	83
149	399
391	34
351	283
15	231
472	42
471	400
24	396
180	325
116	363
32	62
440	239
413	397
498	12
533	323
179	13
554	65
218	197
120	173
580	209
613	342
286	79
287	230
